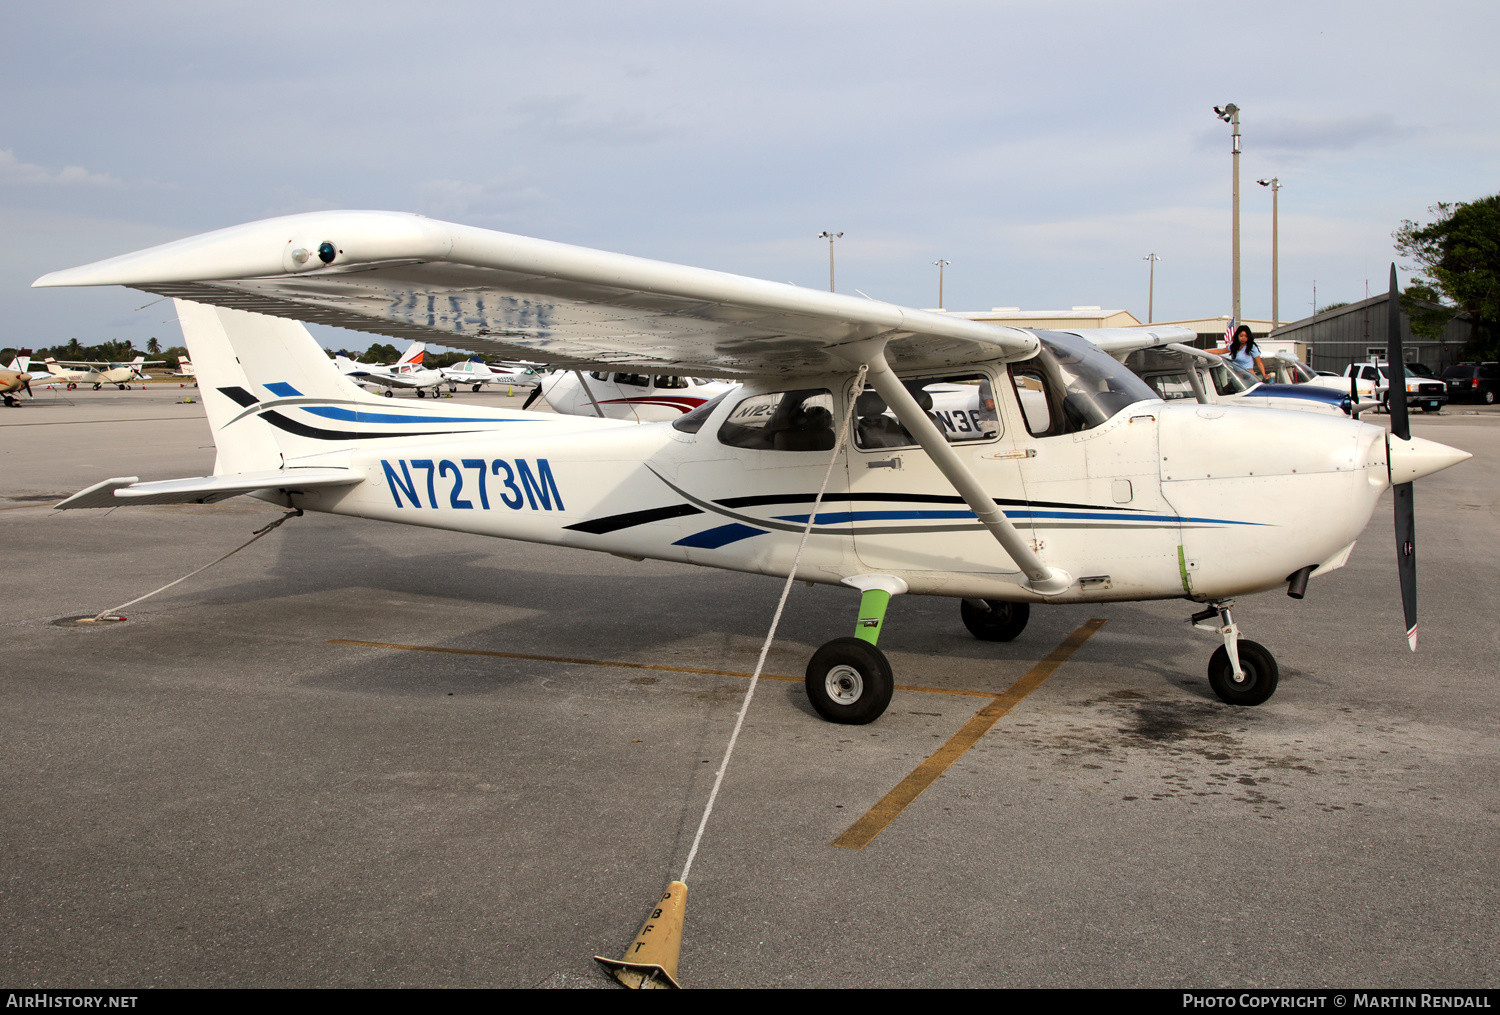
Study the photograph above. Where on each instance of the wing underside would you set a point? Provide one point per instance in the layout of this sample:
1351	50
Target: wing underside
513	297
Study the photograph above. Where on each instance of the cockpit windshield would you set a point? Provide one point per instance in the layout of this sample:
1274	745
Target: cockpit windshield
1072	385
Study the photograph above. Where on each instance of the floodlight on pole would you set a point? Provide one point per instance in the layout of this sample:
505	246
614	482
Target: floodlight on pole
1230	114
1151	291
830	237
1275	186
941	264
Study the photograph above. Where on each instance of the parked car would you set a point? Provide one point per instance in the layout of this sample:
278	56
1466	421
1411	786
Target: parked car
1473	382
1428	392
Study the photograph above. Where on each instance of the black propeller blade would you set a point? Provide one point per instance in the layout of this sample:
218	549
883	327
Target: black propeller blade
536	393
1406	513
1353	389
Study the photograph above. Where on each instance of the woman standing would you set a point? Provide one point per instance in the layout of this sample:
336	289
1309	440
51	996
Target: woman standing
1245	353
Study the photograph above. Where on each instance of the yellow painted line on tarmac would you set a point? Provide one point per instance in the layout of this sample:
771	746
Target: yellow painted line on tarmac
615	663
863	832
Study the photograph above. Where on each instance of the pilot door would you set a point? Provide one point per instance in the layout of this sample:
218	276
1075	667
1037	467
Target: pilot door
905	514
1087	431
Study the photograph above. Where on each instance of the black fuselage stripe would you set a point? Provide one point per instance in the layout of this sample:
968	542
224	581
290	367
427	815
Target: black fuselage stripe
760	500
613	523
281	422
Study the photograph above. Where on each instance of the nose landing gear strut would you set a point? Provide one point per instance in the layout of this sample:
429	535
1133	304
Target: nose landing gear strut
1241	672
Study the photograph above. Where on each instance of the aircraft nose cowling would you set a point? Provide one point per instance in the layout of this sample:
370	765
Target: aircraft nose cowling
1414	458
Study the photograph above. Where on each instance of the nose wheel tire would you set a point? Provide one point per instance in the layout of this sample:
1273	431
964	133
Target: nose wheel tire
1260	670
849	681
1002	622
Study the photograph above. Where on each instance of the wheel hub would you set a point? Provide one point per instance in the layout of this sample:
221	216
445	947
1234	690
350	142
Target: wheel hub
844	684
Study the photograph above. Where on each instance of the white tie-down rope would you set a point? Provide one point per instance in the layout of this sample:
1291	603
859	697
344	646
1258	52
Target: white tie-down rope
838	446
258	533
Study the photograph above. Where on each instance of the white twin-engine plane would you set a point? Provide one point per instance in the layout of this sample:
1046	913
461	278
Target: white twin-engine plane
1068	480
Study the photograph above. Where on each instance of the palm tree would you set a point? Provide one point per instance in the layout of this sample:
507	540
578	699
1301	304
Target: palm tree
153	347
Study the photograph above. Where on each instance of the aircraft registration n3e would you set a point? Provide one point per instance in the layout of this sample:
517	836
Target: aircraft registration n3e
997	466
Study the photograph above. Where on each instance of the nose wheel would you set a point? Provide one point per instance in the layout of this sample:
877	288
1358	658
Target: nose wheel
1241	672
1257	678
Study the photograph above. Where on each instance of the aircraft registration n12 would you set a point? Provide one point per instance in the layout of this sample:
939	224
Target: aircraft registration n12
1070	481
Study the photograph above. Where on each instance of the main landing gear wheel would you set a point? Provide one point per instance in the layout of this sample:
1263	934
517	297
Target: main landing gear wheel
1001	622
421	393
1260	674
476	388
389	393
849	681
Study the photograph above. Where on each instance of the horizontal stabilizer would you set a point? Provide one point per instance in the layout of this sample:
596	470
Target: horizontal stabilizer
124	490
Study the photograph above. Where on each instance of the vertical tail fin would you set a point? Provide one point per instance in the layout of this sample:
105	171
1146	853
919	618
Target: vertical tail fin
414	354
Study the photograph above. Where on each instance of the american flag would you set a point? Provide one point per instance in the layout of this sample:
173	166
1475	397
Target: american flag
1229	332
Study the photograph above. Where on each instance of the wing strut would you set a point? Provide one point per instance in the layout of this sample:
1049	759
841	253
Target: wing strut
1043	580
579	374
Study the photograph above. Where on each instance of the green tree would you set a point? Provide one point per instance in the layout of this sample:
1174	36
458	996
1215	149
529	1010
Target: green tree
1457	256
153	346
381	352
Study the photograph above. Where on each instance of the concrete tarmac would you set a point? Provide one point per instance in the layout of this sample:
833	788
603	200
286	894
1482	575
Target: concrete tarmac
214	793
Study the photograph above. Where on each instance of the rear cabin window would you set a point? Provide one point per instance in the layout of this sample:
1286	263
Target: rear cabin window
668	381
799	420
692	422
639	380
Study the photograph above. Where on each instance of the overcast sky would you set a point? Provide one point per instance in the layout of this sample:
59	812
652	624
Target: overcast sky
1043	148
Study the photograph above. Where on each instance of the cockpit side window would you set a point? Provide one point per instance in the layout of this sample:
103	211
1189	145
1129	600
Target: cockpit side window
962	407
799	420
1071	385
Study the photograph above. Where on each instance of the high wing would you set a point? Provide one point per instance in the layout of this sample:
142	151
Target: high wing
1121	342
507	296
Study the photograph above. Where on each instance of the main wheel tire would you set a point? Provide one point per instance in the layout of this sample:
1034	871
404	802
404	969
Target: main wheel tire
849	681
1259	667
1489	397
476	388
1002	622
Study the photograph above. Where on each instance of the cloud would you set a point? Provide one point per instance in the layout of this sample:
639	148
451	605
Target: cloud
13	170
497	199
1307	134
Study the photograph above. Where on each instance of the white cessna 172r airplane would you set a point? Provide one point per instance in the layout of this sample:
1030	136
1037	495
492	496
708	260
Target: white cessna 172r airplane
1074	482
638	397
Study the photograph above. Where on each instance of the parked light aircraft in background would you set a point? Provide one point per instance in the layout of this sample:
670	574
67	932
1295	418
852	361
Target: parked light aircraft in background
638	397
1176	371
476	373
14	379
1077	485
98	373
408	373
184	369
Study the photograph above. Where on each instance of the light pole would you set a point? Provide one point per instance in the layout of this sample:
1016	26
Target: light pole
1151	292
941	264
1230	114
1275	186
830	237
